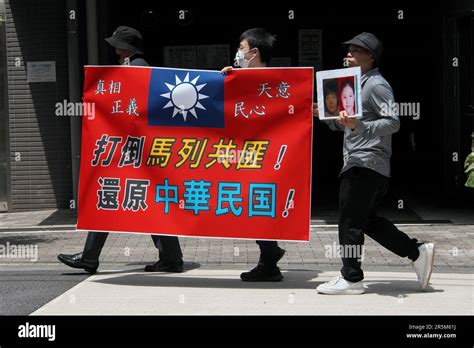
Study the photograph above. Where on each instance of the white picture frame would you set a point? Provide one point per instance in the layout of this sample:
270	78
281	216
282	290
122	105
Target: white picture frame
336	85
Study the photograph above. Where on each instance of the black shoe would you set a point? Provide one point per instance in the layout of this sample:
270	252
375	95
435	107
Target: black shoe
274	261
280	253
76	261
262	274
161	266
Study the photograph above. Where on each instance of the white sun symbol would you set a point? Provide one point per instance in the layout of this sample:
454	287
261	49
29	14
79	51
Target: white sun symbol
184	96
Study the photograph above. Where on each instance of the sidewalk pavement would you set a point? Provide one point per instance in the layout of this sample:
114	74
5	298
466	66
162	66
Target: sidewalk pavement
454	249
211	284
219	292
39	220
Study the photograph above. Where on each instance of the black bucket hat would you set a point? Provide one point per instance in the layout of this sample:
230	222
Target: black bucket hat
126	38
368	41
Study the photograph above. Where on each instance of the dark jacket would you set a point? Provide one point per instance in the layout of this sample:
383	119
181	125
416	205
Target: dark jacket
138	60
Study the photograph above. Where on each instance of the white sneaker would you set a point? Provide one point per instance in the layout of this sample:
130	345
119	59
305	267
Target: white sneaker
340	286
424	264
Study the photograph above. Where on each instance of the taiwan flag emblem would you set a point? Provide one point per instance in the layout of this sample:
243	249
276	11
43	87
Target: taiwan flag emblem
186	98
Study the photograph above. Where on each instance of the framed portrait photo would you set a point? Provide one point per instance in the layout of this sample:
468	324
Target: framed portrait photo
339	90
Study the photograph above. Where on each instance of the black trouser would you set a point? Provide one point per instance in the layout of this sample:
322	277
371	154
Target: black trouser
268	252
361	192
169	248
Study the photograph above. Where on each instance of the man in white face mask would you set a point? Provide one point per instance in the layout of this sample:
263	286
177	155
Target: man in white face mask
241	59
255	52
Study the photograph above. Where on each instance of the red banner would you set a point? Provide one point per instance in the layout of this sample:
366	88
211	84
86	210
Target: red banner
196	153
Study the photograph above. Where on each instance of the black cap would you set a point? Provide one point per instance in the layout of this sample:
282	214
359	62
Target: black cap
368	41
126	38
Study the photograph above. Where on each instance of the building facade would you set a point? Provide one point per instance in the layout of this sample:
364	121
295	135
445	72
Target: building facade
44	44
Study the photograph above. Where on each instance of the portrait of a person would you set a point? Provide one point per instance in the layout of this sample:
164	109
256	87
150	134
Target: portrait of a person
347	96
331	99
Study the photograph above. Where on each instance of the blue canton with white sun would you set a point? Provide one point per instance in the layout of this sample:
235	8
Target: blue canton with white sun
180	98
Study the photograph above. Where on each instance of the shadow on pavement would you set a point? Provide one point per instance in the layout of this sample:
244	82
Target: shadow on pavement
293	280
398	288
73	272
188	266
27	239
